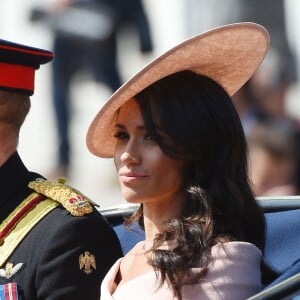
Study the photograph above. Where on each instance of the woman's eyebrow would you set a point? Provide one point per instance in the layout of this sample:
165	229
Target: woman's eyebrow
121	126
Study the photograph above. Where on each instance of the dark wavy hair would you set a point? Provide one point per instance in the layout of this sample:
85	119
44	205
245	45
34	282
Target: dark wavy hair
205	131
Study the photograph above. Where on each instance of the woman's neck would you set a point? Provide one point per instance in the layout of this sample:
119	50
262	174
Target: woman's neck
156	214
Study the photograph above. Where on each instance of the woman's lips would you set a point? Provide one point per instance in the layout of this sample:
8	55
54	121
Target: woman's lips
131	177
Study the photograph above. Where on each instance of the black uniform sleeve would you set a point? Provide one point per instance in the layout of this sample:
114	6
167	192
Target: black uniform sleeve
59	275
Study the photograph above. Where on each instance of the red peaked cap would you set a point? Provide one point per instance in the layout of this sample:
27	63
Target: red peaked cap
18	64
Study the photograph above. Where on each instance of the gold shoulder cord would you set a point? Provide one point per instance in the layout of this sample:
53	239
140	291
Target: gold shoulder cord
24	225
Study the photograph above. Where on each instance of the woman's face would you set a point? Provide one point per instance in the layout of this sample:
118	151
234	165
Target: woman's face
144	171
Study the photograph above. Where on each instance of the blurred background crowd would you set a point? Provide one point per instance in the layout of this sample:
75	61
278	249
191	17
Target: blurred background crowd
99	44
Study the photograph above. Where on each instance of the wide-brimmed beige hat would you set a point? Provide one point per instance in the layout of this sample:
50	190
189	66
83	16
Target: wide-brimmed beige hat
228	54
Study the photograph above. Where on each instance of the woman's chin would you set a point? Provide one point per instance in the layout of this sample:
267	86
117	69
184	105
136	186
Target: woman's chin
131	197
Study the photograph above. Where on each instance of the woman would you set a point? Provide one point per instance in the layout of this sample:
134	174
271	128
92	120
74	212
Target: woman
180	151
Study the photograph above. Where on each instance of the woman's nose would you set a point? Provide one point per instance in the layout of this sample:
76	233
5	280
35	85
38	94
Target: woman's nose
130	154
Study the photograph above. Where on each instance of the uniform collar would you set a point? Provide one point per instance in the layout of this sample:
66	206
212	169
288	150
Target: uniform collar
13	178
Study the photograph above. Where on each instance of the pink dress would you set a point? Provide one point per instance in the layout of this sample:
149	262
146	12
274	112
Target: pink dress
234	274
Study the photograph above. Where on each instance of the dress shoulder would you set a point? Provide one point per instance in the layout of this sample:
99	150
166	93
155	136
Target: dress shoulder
234	273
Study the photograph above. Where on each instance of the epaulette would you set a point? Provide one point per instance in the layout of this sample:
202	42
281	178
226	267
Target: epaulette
71	199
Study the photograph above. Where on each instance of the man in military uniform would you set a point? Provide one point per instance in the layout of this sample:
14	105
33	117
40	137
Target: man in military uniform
54	244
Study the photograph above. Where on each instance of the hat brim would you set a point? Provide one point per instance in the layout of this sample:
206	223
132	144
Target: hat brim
229	55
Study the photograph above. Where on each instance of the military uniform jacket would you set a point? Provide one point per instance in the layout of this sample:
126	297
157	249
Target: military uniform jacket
63	256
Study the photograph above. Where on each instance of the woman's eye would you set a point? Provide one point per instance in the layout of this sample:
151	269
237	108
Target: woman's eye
121	135
149	137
